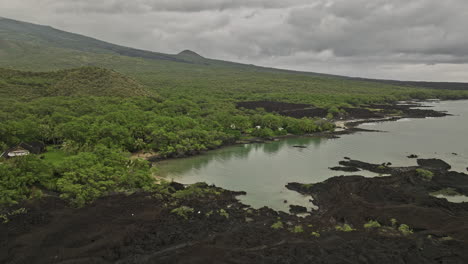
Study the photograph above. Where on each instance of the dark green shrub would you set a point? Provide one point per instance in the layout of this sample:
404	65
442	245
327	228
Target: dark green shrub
263	133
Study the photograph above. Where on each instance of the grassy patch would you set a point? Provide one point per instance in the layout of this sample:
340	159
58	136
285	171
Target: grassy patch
4	218
298	229
183	211
425	175
277	225
196	190
405	229
315	234
344	228
372	224
54	156
208	214
223	212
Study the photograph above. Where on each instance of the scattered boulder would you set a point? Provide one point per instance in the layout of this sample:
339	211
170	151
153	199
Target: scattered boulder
434	164
412	156
177	186
297	209
344	168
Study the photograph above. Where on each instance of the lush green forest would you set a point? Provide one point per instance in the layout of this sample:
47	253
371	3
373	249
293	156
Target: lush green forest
85	81
91	139
121	101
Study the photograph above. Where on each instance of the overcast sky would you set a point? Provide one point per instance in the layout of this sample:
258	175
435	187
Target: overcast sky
393	39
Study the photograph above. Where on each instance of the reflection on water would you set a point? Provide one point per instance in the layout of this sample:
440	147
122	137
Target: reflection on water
181	166
258	169
262	170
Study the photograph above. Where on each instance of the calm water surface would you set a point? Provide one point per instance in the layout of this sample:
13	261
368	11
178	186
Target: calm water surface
262	170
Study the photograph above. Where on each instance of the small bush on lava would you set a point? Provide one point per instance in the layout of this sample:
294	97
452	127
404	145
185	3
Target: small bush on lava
425	174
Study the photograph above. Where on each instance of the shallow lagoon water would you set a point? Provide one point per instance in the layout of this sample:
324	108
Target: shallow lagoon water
263	170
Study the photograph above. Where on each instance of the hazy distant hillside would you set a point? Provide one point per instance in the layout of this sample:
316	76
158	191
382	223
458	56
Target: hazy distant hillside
36	48
431	85
86	81
16	33
27	45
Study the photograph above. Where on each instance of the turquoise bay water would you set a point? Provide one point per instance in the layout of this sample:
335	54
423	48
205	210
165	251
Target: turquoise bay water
262	170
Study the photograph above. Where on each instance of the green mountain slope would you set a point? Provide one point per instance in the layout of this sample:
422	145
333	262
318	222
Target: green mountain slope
20	32
85	81
33	47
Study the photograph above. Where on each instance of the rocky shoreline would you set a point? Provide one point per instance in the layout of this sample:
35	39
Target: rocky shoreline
386	113
391	219
358	116
405	195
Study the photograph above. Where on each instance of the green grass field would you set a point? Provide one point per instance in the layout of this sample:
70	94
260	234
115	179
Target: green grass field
54	156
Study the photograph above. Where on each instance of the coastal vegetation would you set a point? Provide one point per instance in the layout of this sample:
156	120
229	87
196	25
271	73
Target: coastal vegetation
91	139
84	81
97	106
79	178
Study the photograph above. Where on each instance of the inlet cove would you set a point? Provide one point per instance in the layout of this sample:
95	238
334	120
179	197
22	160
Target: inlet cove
264	169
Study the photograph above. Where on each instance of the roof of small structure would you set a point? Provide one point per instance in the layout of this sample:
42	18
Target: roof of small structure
34	147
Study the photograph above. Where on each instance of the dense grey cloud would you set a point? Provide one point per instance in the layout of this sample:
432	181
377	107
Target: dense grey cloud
122	6
399	39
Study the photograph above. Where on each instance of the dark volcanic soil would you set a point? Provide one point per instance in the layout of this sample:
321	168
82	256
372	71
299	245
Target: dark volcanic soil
403	196
286	109
142	227
346	169
363	112
408	110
